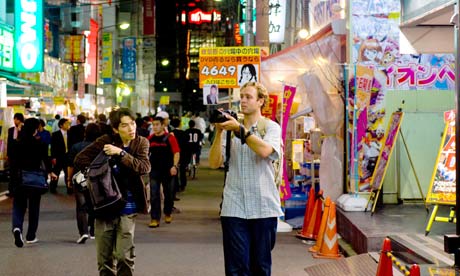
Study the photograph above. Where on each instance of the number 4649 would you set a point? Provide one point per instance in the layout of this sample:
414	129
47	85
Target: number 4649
214	71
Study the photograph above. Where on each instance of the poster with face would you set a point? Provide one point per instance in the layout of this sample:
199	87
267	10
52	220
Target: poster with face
210	94
247	72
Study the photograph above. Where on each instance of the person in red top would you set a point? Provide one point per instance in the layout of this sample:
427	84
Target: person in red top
164	159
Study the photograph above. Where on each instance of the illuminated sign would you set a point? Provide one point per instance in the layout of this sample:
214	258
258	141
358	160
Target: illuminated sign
28	34
198	16
276	17
6	48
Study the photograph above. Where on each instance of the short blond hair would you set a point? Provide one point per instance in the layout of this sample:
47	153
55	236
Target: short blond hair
262	92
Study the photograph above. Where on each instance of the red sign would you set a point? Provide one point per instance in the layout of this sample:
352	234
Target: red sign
198	16
149	17
90	75
269	109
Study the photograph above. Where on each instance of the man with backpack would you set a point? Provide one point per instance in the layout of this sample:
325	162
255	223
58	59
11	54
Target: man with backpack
164	159
251	202
114	231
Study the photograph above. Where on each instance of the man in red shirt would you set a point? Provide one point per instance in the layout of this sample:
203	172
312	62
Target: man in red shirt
164	159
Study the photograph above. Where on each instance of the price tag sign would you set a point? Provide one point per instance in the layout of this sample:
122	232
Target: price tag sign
222	65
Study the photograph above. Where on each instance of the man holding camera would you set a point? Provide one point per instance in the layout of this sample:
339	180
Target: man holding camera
251	203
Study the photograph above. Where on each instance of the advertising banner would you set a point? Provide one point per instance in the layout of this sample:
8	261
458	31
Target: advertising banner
91	70
6	47
107	58
28	31
288	98
229	67
72	48
270	108
385	153
149	17
443	181
129	58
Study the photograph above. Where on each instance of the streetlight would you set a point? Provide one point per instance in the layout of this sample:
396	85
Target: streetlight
122	26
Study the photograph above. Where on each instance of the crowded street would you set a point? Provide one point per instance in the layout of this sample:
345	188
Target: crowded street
190	245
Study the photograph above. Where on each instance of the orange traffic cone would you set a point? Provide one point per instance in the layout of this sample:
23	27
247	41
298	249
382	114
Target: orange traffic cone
322	228
330	245
311	231
414	270
308	211
385	267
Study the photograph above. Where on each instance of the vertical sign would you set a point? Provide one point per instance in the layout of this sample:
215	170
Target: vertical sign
6	48
443	181
277	21
387	149
270	108
92	53
28	34
288	98
107	58
149	17
129	58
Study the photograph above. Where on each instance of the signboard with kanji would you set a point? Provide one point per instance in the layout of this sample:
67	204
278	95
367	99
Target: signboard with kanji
229	67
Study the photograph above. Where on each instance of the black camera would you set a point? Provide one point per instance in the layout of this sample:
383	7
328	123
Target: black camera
217	116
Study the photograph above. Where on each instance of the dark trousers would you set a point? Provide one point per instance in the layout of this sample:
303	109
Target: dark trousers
84	216
157	179
15	178
247	245
183	175
23	200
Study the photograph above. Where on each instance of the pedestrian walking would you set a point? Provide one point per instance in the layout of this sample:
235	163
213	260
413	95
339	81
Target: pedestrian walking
12	152
164	158
85	218
32	152
251	202
129	153
59	151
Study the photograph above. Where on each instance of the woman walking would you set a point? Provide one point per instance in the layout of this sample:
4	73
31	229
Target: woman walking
32	152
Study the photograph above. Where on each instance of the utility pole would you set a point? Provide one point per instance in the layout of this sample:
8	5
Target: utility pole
249	34
262	15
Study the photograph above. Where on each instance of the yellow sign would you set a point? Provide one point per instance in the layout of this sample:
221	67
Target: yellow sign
297	154
164	100
107	59
442	188
229	67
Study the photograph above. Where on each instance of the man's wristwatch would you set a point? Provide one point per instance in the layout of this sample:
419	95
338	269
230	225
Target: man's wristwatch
249	133
122	153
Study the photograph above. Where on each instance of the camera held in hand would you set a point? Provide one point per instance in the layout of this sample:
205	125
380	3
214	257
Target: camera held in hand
218	116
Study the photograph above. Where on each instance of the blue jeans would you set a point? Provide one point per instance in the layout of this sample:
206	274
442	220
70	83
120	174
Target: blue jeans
248	244
22	201
157	179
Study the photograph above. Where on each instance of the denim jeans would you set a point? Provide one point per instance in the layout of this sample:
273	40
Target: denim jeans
84	216
115	242
247	245
157	179
26	200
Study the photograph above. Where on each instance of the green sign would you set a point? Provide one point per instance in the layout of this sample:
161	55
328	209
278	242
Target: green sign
28	35
6	47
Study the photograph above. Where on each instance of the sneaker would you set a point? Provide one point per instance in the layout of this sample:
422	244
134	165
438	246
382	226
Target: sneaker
18	241
92	237
175	210
168	218
154	223
32	241
82	239
176	198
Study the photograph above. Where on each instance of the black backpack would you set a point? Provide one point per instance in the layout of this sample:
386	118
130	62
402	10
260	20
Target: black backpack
103	189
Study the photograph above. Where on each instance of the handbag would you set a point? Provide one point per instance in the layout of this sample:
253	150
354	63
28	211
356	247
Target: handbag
34	181
79	181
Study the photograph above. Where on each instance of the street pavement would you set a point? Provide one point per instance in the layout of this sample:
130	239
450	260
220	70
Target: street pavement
190	245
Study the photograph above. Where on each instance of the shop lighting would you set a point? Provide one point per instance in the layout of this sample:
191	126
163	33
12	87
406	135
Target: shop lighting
165	62
124	26
303	34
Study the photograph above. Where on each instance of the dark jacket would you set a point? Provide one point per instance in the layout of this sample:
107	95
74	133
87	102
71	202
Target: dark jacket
75	134
58	149
137	161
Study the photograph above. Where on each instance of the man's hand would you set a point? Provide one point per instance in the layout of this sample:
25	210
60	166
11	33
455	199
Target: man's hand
231	124
111	150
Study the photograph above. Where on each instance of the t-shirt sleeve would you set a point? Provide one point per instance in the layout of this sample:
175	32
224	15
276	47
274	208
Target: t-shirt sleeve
174	145
273	137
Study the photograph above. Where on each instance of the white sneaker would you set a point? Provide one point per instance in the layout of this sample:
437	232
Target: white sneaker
82	239
32	241
18	240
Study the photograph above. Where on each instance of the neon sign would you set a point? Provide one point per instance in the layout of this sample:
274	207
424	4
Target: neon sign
198	16
6	47
28	35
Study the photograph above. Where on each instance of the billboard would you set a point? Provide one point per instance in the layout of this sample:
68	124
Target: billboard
6	47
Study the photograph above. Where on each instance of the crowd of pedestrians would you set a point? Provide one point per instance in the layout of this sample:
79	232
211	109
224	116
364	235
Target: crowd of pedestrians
151	153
